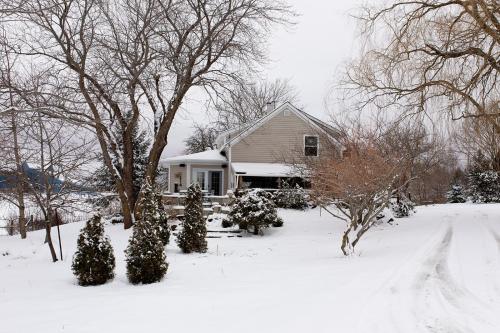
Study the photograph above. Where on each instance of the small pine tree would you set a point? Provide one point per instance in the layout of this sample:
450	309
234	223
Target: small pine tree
153	211
164	229
145	253
290	197
254	211
94	261
484	186
401	207
456	194
194	230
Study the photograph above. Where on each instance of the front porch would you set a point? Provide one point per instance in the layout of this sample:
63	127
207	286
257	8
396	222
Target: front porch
209	169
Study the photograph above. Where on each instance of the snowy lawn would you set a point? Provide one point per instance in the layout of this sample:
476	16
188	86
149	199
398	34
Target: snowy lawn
438	271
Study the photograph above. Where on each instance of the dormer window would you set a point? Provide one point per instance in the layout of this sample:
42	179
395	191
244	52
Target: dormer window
311	145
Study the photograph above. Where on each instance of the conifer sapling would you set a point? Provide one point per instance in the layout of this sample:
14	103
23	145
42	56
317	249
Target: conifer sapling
94	261
194	230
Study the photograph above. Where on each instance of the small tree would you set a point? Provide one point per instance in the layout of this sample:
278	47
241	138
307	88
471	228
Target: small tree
194	229
94	261
401	206
254	211
290	197
359	185
484	186
456	194
145	254
152	210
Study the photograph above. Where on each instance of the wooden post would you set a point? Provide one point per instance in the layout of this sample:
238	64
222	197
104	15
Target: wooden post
58	221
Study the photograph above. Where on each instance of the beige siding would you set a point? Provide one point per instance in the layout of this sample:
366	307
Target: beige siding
279	140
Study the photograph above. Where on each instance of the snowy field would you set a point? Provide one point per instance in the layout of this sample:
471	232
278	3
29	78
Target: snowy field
438	271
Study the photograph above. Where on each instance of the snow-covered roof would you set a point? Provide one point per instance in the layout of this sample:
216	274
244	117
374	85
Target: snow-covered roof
208	156
264	169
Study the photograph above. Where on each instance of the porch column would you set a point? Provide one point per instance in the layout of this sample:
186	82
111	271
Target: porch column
188	175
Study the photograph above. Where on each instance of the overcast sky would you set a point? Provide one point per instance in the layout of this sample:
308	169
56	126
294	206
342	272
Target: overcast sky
309	54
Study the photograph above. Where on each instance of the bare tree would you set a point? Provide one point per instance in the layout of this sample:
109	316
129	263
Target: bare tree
143	57
478	134
203	138
248	101
359	185
430	55
13	157
62	154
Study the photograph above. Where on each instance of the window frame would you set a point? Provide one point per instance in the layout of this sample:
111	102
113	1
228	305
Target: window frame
317	145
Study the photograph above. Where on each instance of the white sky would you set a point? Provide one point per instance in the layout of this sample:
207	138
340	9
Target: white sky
309	54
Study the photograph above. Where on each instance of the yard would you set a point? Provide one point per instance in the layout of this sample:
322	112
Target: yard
437	271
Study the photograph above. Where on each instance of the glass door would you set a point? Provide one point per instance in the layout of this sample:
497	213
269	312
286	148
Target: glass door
215	182
201	179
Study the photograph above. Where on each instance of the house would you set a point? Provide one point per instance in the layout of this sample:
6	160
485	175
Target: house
258	155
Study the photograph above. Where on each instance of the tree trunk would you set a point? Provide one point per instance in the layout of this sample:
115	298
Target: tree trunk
19	181
345	242
48	238
255	229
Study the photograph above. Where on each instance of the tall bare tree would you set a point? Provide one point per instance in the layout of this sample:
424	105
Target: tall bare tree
203	138
248	101
114	58
479	134
430	55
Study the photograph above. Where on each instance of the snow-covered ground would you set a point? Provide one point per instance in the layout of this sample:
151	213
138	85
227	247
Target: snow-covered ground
437	271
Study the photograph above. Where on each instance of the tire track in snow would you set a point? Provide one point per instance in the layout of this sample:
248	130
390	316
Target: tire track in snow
434	284
496	237
443	304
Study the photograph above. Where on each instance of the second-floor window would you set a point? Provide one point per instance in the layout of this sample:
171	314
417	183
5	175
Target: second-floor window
310	145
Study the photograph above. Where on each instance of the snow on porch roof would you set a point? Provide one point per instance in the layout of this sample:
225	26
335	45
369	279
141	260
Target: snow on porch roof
209	156
264	169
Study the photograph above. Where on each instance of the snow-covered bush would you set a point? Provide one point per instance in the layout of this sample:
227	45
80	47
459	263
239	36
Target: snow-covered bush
254	211
290	197
145	254
484	186
152	209
94	261
401	207
194	229
456	194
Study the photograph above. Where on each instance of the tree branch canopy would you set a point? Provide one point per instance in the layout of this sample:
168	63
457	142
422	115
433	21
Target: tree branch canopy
430	55
120	61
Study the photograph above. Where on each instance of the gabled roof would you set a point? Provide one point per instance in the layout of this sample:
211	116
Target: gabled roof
313	121
208	156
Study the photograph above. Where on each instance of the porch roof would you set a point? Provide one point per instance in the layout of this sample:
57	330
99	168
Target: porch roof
208	156
264	169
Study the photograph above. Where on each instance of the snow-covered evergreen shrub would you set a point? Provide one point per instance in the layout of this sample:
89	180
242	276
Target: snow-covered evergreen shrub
152	209
401	207
94	261
194	229
145	253
226	223
484	186
254	211
456	194
290	197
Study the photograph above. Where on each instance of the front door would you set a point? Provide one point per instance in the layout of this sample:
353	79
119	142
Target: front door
215	182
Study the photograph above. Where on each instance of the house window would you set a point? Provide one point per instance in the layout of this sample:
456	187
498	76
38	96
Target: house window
310	145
